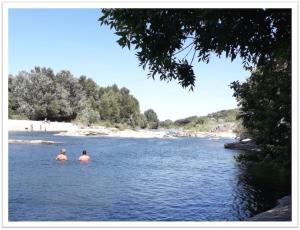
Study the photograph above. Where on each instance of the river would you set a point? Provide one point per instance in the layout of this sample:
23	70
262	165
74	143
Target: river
184	179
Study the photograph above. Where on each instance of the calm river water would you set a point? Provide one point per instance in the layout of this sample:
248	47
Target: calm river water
129	179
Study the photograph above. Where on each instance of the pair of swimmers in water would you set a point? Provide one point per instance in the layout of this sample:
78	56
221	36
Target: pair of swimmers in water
62	156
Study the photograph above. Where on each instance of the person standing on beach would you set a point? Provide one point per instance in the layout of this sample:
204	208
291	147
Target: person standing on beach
62	156
84	157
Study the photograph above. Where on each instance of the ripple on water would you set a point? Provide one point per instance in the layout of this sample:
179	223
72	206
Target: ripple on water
127	179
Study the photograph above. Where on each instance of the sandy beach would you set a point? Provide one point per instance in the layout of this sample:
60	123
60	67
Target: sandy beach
27	125
69	129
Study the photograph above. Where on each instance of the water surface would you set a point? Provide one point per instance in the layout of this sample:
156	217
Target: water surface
128	179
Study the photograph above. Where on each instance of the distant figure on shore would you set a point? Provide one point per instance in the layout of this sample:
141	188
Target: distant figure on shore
31	127
62	156
84	157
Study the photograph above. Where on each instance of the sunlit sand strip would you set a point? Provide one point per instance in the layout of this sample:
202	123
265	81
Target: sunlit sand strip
27	125
69	129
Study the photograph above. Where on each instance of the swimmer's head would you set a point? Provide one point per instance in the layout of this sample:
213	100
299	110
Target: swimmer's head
63	151
84	152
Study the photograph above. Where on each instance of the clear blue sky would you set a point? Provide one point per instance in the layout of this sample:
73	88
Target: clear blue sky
72	39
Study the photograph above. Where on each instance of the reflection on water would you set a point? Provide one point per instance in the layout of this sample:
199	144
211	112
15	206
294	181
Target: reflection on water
131	179
258	188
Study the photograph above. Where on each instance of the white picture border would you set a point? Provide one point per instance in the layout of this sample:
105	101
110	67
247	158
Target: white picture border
294	5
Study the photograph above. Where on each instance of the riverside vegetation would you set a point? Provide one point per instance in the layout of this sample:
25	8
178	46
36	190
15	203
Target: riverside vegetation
40	94
260	37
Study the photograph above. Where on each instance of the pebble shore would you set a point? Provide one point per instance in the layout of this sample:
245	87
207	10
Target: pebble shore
70	129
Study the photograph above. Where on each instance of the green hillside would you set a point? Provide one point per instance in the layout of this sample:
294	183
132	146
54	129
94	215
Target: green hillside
223	120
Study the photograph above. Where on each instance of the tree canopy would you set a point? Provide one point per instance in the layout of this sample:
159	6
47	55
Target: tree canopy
168	41
152	119
164	38
265	105
41	94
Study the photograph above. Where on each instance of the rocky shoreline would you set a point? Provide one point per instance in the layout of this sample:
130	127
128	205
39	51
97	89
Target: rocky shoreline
143	133
281	212
69	129
246	144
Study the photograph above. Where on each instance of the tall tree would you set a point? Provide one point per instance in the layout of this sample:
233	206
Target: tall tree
76	95
89	86
130	108
109	106
41	94
164	38
152	118
265	101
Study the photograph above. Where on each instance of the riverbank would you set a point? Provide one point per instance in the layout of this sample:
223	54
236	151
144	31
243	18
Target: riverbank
281	212
70	129
28	125
246	145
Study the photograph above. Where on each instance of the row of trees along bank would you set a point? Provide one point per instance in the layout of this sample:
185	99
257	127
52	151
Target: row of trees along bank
41	94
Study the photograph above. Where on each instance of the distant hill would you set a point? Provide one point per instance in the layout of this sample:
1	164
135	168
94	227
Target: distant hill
221	121
229	115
